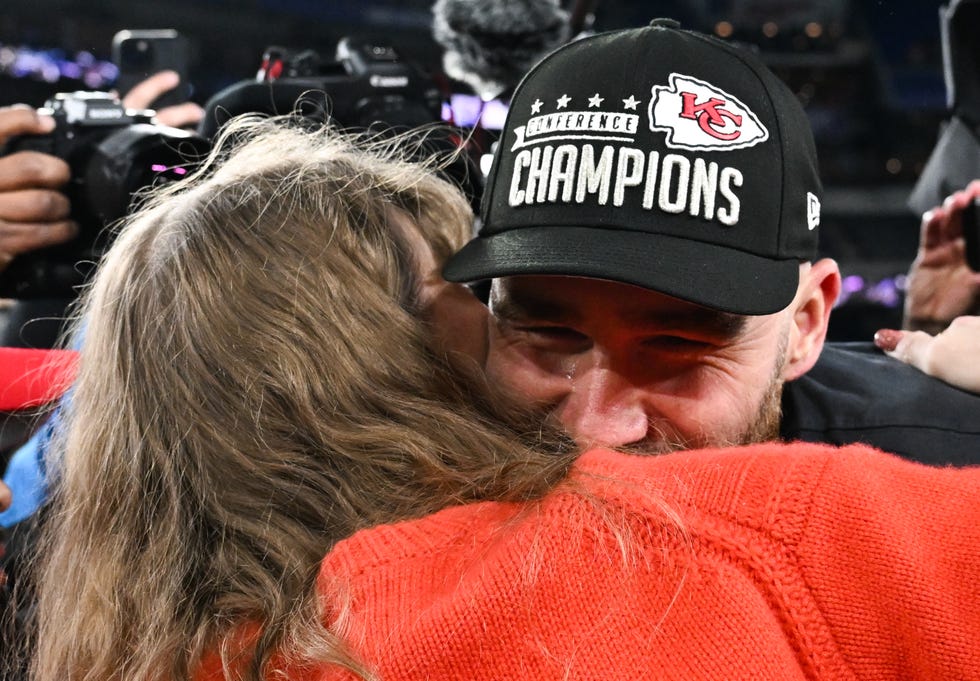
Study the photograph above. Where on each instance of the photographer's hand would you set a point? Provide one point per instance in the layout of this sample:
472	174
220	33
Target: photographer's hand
186	115
941	286
33	213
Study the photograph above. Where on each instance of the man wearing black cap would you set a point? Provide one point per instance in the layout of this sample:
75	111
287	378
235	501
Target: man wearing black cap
650	227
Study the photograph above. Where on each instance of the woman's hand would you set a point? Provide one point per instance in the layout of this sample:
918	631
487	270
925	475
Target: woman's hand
952	355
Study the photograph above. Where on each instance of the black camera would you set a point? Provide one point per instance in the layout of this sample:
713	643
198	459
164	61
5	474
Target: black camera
364	86
113	153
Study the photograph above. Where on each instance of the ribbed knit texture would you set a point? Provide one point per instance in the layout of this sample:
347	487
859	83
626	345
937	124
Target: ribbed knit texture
790	562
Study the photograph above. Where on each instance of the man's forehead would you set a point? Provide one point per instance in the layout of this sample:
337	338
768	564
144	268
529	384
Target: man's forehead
570	298
552	288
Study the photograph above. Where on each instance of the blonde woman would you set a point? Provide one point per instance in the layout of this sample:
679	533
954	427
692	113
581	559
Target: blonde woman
258	380
274	371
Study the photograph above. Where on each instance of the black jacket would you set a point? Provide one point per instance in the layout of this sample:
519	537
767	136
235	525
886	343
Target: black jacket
855	393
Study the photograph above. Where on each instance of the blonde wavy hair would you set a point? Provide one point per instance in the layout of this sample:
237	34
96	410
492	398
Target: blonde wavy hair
255	385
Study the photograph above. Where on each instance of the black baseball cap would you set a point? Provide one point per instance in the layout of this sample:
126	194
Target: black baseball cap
658	157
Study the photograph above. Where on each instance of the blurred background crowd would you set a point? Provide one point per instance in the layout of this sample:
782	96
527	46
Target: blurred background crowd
869	72
896	120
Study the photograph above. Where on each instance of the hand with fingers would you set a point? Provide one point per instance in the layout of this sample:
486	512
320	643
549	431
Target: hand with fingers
186	115
951	355
941	286
33	212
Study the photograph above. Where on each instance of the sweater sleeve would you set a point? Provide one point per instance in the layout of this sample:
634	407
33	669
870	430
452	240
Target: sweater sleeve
766	562
891	553
582	586
873	561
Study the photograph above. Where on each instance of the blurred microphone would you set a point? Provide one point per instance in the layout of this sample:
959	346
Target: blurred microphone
955	159
491	44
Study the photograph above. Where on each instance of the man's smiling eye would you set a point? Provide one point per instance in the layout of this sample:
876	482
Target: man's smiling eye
675	343
552	332
559	338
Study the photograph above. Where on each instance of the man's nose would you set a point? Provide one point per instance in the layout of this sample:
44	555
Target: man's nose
604	409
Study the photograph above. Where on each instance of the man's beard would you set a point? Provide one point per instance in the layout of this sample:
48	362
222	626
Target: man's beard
763	428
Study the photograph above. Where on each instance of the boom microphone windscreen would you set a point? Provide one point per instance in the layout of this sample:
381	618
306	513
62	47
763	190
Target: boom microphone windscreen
955	159
491	44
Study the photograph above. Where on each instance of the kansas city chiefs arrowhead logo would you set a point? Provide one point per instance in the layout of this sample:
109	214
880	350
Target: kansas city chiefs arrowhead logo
697	115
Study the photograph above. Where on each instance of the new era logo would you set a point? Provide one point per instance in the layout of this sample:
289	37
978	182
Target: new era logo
812	210
696	115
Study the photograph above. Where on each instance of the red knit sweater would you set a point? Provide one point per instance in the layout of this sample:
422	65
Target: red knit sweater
769	562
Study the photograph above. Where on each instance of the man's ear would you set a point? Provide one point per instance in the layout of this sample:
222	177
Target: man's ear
820	285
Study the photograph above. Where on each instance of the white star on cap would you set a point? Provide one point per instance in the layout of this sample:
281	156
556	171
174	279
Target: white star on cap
536	106
563	101
595	100
631	103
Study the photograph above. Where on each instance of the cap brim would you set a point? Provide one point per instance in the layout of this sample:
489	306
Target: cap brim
718	277
31	378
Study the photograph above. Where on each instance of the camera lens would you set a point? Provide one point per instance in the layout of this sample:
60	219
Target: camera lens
133	159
